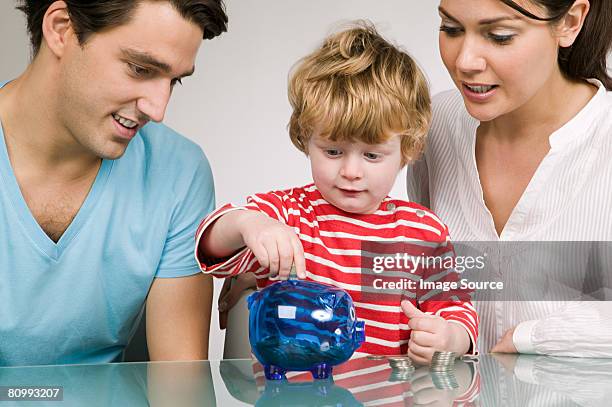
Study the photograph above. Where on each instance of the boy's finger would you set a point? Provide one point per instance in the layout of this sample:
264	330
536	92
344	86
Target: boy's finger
261	255
285	251
410	310
418	360
298	258
272	255
418	350
422	338
427	323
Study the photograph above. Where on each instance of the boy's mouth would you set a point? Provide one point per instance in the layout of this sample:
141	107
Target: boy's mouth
350	191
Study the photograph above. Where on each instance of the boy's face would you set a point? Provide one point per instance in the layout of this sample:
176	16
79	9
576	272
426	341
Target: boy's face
354	176
123	77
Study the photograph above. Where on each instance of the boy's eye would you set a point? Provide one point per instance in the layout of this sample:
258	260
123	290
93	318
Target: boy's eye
371	156
332	152
451	31
501	39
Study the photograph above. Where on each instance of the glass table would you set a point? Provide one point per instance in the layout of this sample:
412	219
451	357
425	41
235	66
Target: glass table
491	380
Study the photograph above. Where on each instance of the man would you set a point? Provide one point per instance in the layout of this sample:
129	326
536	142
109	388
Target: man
98	209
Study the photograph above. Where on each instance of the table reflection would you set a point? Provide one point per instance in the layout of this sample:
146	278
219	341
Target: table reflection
493	380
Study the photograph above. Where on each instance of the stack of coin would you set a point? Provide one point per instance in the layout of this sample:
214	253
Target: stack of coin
401	375
443	361
444	380
401	363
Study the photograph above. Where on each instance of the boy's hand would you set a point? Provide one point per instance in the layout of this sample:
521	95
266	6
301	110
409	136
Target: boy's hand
431	333
274	244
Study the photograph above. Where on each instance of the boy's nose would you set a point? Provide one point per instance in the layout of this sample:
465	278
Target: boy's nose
351	168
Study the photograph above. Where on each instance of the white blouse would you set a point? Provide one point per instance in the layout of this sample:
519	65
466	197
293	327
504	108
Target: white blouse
569	198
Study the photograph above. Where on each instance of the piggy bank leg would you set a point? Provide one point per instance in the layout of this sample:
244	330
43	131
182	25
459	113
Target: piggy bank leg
274	372
321	371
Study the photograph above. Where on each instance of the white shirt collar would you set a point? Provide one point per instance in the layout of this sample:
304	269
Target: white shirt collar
576	128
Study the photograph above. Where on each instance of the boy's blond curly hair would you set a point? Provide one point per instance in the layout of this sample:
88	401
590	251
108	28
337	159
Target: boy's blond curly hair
359	87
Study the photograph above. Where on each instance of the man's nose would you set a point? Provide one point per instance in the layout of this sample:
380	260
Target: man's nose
471	59
154	100
351	167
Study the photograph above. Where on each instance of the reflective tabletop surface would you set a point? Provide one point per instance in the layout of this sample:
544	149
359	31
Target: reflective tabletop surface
491	380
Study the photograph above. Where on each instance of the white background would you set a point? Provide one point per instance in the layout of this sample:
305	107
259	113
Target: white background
235	106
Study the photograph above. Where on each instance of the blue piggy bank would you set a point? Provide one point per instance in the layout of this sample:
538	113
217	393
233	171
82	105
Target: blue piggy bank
302	326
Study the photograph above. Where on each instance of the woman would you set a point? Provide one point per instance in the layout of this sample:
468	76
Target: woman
521	152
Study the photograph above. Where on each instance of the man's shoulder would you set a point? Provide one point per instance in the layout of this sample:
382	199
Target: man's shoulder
161	158
162	143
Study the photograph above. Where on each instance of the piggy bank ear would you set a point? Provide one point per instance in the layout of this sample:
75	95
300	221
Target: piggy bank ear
359	333
252	298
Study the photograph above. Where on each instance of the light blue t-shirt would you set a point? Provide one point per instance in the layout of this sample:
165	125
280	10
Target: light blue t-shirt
77	301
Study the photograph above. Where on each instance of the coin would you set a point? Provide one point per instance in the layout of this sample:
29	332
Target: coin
401	363
444	380
443	361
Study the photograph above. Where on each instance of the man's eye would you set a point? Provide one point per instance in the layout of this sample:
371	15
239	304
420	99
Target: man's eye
332	152
371	156
139	70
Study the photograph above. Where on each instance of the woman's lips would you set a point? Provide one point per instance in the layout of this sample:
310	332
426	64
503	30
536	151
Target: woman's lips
478	96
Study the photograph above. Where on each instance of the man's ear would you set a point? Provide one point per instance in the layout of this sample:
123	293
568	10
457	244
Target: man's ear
569	27
57	29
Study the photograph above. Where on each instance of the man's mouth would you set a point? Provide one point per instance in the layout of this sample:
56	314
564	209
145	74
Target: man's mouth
125	122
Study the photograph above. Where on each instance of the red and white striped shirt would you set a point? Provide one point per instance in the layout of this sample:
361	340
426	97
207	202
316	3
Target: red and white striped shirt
333	240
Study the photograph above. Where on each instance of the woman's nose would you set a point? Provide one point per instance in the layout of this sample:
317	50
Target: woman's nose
471	58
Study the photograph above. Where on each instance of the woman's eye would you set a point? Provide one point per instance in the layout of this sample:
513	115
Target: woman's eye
332	152
501	39
451	31
371	156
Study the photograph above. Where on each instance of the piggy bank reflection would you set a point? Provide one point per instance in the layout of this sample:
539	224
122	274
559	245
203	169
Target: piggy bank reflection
319	393
302	326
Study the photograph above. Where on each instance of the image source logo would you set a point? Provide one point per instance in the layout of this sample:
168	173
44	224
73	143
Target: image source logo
482	271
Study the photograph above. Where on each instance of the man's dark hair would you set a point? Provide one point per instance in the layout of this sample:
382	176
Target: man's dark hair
91	16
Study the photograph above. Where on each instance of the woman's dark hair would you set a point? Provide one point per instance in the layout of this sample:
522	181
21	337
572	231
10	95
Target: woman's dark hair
91	16
587	56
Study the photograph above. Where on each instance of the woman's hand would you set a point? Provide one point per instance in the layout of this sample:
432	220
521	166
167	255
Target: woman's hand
505	344
232	290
